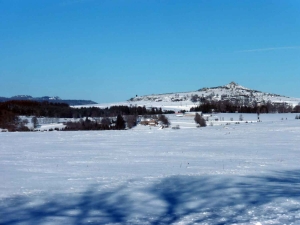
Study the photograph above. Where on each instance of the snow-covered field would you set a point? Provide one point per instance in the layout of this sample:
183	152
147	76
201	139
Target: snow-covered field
231	174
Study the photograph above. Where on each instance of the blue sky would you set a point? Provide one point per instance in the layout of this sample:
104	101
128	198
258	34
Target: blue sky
111	50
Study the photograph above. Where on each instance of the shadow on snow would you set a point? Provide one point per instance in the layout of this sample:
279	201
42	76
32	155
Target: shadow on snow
192	199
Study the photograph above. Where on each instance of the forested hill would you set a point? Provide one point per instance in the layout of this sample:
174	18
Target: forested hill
55	99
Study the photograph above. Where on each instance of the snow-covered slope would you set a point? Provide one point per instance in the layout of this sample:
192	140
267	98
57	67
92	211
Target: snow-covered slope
231	92
185	100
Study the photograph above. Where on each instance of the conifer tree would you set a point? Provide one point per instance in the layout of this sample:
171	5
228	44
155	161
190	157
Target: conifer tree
120	123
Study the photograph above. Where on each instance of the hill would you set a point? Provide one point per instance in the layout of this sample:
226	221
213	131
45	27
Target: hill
232	92
54	99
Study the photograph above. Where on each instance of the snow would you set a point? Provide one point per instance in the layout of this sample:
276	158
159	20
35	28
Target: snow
47	127
185	104
231	174
182	100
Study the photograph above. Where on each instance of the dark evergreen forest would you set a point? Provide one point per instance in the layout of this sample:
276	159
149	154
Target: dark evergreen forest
10	110
230	107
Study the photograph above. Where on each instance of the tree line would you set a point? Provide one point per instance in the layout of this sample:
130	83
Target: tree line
105	124
11	110
230	107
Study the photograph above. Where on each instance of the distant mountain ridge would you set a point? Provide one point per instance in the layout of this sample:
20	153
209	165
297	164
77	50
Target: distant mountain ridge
232	92
54	99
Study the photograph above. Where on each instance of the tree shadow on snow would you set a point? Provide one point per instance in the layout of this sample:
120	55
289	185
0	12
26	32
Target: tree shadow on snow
218	200
192	199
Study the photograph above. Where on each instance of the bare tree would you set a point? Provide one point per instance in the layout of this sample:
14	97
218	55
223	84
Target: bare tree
131	121
105	121
164	120
194	98
23	122
200	120
34	121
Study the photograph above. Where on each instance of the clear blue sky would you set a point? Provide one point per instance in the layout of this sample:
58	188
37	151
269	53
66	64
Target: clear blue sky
111	50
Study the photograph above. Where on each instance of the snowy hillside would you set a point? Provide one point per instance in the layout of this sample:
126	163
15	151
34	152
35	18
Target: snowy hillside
232	92
245	174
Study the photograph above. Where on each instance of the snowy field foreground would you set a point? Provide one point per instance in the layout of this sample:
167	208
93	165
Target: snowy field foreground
235	174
